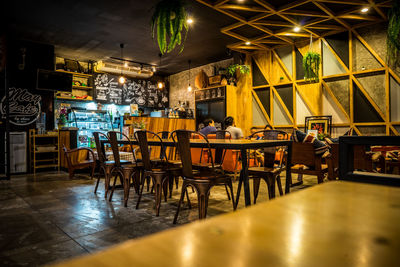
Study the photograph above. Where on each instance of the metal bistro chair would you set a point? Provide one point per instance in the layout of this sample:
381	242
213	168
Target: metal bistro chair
126	172
268	172
105	165
161	175
201	181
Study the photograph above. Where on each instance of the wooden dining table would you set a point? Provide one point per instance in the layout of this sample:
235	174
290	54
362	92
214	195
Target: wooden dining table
337	223
236	144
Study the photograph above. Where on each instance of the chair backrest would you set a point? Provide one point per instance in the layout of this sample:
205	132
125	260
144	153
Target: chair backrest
141	136
335	154
181	139
100	149
130	144
220	152
112	135
164	134
303	153
67	156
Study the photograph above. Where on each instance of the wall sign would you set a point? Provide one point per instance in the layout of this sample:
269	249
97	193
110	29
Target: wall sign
25	107
133	91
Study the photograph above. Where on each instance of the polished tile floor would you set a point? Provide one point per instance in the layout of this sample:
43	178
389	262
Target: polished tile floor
50	218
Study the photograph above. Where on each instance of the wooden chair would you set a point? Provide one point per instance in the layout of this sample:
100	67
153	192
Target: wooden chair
305	161
78	160
126	172
105	165
333	161
161	174
203	180
268	172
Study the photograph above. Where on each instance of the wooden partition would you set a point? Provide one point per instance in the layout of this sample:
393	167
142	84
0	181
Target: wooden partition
163	124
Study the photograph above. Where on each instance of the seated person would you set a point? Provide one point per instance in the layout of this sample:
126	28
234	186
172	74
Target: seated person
235	132
209	127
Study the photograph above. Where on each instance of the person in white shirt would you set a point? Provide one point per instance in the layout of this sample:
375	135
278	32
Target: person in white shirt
229	123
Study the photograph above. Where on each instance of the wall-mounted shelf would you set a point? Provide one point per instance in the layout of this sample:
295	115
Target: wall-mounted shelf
77	73
73	99
82	87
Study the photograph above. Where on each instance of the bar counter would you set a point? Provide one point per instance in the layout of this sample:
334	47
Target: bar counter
163	124
331	224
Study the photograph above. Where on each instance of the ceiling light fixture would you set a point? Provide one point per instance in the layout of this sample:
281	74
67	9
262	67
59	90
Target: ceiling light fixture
160	84
296	29
189	20
153	69
248	43
189	87
121	78
365	10
126	64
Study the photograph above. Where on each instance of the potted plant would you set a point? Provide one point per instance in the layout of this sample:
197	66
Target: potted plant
311	61
62	118
393	35
232	72
140	125
170	22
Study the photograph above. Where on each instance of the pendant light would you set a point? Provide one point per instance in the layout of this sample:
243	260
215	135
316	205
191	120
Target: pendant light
189	87
121	78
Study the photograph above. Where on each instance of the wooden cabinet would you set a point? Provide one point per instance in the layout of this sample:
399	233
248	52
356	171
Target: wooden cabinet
44	150
82	87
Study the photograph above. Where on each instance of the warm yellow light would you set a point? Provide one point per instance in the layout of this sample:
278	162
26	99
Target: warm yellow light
126	64
189	88
296	29
365	10
189	20
121	79
248	43
160	85
153	69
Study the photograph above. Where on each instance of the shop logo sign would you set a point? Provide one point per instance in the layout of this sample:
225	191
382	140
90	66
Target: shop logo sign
25	107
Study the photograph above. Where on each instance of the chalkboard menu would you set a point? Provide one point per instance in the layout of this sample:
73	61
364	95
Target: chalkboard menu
133	91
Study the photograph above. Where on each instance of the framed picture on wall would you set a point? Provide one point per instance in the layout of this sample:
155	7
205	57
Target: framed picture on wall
319	124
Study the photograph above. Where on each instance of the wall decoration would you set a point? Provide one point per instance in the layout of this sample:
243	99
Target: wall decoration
25	108
169	20
311	62
133	91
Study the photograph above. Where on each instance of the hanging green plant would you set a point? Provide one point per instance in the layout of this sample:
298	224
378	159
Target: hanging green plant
244	69
311	61
393	35
169	21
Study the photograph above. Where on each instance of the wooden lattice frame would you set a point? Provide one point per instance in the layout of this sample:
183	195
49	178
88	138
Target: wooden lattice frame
326	20
276	24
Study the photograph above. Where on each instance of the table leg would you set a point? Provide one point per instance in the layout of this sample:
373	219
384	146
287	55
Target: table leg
288	169
244	178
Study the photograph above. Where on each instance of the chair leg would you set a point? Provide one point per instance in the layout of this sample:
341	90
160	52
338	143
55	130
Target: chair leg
202	196
227	192
98	180
320	178
184	189
158	181
171	185
148	184
107	179
141	191
71	173
165	187
256	188
113	187
279	183
271	187
238	192
176	181
188	199
232	196
92	172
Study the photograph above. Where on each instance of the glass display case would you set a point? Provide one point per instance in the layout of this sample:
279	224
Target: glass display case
87	122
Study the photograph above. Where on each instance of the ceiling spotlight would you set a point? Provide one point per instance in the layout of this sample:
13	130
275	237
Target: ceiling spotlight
248	43
126	64
365	10
189	88
240	1
153	68
296	29
189	20
160	85
121	80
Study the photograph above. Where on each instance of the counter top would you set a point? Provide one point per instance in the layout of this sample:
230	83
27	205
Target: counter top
332	224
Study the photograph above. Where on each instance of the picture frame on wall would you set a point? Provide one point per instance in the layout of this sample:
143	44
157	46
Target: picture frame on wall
319	125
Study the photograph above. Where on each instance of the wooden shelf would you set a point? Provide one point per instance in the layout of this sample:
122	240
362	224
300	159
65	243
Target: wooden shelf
76	73
86	88
211	99
41	152
73	99
46	166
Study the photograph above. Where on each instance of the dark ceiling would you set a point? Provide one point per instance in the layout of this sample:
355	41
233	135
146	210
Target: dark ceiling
93	30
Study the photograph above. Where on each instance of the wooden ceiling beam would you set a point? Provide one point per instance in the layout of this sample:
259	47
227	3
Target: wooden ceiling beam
235	35
357	17
307	13
274	23
233	26
220	2
352	2
325	27
385	4
331	14
377	9
293	5
243	8
294	34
